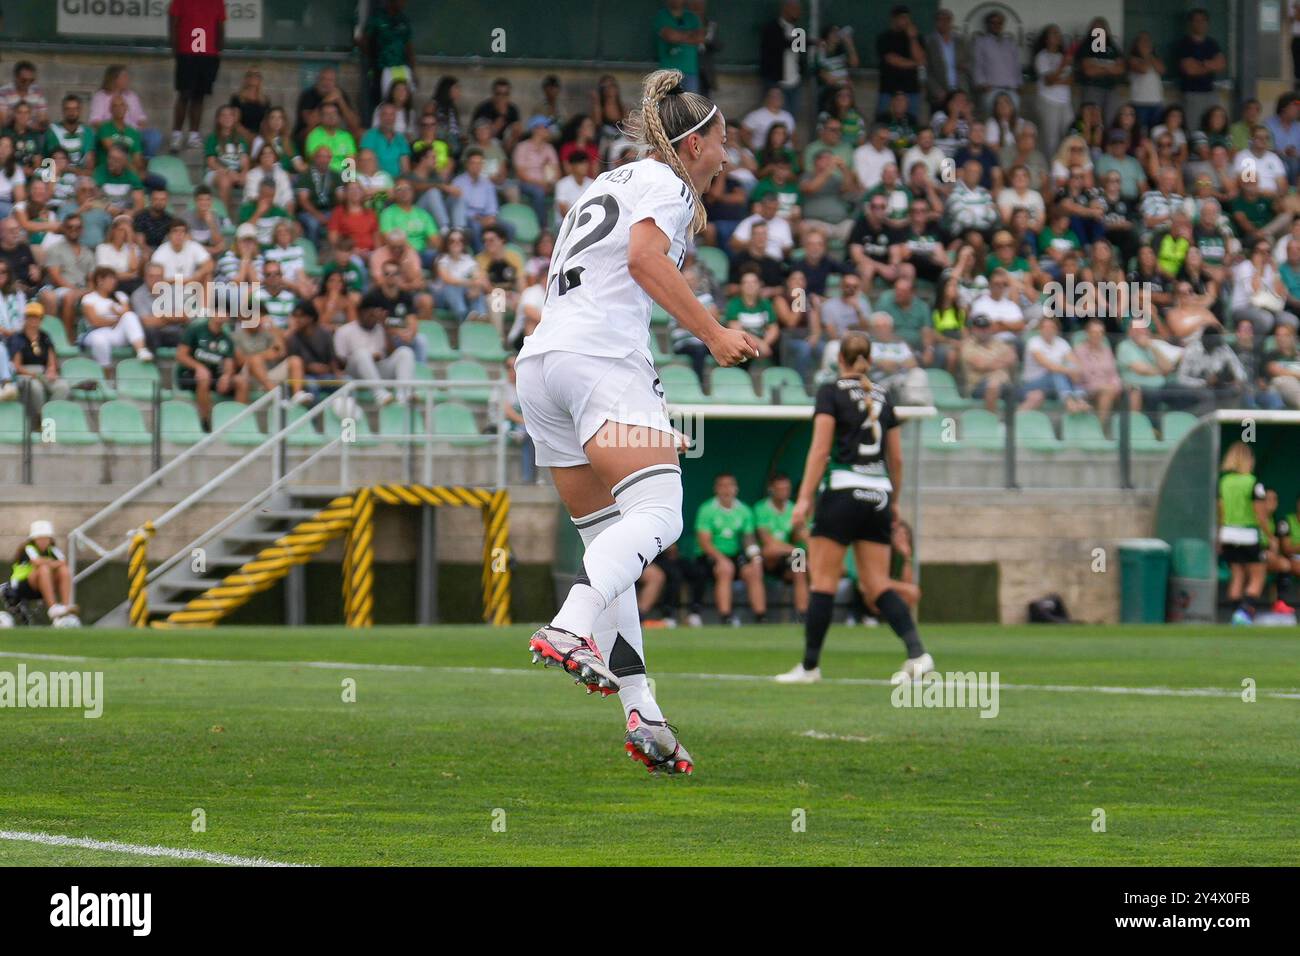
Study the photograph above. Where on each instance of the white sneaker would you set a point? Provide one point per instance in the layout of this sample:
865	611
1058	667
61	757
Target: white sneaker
797	675
913	669
178	138
144	355
301	397
8	392
694	620
57	610
194	141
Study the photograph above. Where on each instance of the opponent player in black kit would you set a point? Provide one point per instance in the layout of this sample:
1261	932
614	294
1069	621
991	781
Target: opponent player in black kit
855	433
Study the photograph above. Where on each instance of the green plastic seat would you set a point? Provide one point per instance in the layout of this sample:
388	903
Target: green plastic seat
681	387
246	432
332	424
715	260
121	423
524	220
310	263
304	436
1034	432
1174	425
174	170
658	354
658	316
180	423
52	327
455	421
397	420
439	344
783	386
732	386
77	371
1142	435
1082	431
980	429
13	419
479	340
944	388
135	380
471	371
69	423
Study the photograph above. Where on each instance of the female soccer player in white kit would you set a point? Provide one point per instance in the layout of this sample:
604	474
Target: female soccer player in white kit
592	402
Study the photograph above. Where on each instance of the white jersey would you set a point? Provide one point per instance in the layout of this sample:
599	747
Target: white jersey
593	305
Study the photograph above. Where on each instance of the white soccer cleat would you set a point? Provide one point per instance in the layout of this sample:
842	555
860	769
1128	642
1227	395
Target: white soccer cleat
797	675
654	744
914	668
577	656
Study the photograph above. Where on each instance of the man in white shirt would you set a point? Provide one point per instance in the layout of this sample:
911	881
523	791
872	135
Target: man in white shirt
1002	311
780	239
370	353
181	257
570	189
1264	164
759	121
871	158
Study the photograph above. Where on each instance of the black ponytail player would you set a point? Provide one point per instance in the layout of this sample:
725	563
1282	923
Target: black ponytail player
855	432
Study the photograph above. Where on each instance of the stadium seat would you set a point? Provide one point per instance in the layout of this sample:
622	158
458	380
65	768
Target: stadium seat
135	380
783	386
715	260
78	371
69	423
1082	430
944	388
180	423
12	423
1034	432
396	420
439	345
246	432
523	219
1142	435
304	436
455	422
980	429
310	264
479	340
469	370
332	424
732	386
1174	425
52	327
175	172
120	423
681	386
658	316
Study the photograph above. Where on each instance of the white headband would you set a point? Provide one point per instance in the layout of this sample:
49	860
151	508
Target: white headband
695	127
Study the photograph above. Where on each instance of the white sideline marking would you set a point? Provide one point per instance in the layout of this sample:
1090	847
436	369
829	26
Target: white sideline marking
1285	693
171	853
822	735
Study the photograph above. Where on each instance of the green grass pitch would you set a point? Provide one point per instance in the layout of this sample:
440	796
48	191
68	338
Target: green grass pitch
452	731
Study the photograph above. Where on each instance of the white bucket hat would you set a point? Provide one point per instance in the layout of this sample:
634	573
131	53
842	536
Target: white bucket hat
41	529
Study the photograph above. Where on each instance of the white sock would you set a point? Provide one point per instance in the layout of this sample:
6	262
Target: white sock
620	619
650	503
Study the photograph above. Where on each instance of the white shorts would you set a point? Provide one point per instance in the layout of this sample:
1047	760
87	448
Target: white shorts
565	397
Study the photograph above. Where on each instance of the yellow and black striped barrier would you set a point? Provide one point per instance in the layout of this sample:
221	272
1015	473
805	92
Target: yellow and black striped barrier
354	516
137	576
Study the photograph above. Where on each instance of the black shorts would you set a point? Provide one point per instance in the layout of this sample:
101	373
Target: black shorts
1243	553
854	514
195	75
706	565
778	565
23	591
185	380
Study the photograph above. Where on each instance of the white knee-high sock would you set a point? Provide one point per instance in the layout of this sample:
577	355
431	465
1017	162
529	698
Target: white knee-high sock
620	624
650	502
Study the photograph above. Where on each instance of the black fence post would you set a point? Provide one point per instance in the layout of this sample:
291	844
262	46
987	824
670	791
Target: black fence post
24	397
155	401
1125	442
1009	405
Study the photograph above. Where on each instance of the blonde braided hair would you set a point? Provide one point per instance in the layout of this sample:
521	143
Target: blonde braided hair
666	112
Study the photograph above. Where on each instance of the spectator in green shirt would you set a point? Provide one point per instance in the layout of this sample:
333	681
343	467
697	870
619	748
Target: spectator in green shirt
725	537
263	213
116	132
387	42
421	231
206	360
389	146
785	547
329	134
119	183
678	34
226	154
753	313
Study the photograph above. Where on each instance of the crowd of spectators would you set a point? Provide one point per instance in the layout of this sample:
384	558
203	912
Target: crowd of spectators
940	219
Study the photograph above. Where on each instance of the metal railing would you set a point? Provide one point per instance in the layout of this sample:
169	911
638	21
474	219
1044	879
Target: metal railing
275	449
